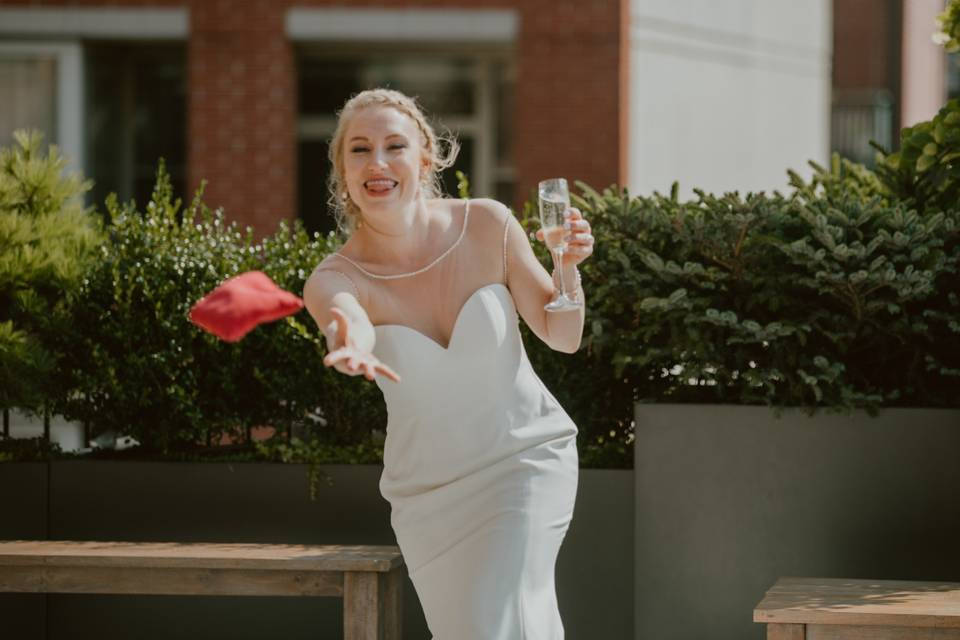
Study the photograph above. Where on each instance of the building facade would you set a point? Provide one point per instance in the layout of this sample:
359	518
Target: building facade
242	94
533	88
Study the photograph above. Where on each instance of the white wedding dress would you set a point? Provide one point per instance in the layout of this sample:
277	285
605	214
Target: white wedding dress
480	469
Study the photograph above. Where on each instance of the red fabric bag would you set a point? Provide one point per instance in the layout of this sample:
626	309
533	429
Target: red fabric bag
241	303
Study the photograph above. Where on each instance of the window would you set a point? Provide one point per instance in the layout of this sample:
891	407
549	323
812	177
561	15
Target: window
40	89
470	94
136	114
953	76
28	90
859	117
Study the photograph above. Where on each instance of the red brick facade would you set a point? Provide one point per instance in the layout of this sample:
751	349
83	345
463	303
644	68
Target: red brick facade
571	92
865	35
242	110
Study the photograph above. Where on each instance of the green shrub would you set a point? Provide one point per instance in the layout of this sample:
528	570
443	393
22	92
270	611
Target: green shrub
925	172
36	449
835	301
137	366
47	240
949	21
837	295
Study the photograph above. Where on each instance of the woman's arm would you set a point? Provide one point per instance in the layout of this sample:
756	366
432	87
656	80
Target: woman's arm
330	300
533	286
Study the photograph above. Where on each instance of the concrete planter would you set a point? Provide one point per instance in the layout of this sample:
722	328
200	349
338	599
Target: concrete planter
23	515
269	503
730	498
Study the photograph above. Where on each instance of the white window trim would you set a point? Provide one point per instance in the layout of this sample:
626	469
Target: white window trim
95	22
498	26
69	107
60	30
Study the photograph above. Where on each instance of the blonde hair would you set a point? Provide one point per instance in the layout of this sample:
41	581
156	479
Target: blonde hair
346	212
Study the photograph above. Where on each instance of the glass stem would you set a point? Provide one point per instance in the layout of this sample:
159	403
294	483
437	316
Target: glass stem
558	265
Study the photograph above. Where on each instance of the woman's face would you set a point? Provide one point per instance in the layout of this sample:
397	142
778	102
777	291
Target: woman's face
382	158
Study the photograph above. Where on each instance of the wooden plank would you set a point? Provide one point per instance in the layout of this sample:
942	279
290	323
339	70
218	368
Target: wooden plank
200	555
362	606
179	581
844	632
861	602
785	632
393	604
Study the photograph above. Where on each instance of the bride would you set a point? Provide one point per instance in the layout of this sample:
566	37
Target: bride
480	460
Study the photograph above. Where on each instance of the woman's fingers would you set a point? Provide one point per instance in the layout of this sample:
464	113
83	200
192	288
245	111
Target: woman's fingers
343	325
340	355
579	239
358	363
334	357
576	225
387	372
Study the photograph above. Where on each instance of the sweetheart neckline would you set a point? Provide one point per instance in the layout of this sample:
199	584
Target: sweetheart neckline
456	321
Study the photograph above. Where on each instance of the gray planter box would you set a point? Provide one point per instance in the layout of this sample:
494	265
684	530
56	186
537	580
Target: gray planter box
731	498
269	503
23	515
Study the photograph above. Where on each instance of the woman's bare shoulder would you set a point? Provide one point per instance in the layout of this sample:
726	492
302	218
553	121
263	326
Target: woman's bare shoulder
480	207
490	209
332	275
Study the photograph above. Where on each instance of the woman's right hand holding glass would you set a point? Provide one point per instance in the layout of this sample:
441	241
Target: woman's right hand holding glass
349	359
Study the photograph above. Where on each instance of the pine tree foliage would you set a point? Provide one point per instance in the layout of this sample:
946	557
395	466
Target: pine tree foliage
47	238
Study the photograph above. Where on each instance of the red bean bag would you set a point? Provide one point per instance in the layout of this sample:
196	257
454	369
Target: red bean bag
241	303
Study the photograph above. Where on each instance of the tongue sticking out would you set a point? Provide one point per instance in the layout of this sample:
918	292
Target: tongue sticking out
380	186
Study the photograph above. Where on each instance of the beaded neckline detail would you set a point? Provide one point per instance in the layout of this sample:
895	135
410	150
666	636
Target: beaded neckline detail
393	276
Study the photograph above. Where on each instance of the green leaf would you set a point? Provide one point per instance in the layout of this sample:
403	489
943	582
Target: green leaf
938	133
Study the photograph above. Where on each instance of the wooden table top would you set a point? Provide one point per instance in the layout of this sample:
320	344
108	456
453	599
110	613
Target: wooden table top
200	555
861	602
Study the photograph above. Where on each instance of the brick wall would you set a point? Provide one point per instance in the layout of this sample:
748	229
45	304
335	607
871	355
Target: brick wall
864	32
570	118
242	110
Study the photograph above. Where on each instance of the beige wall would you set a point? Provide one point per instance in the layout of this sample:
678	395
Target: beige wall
924	63
724	95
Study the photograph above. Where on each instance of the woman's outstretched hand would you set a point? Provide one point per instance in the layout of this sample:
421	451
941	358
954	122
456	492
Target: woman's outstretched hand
578	237
352	360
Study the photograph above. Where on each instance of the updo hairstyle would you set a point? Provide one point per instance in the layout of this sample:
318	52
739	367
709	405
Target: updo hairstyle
440	150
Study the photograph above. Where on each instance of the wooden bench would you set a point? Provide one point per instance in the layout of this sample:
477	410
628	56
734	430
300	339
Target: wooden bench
832	609
368	578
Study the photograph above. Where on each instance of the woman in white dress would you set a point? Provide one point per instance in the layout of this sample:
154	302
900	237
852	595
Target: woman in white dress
480	460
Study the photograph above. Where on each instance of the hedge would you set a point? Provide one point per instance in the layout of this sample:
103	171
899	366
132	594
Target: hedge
840	293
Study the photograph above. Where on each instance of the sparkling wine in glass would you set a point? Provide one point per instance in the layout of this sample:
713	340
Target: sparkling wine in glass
554	201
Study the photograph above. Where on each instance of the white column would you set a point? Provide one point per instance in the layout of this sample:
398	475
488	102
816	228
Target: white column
923	63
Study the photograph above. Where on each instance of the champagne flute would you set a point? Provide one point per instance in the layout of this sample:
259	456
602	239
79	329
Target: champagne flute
554	201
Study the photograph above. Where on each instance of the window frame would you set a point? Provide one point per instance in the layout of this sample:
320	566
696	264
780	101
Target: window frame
69	98
485	171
